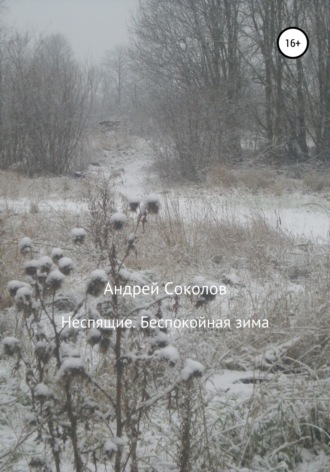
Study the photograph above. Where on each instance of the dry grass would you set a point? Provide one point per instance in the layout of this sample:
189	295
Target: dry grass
267	179
316	182
255	180
194	238
14	186
117	140
189	240
277	279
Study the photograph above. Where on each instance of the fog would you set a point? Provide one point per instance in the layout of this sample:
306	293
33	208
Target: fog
90	26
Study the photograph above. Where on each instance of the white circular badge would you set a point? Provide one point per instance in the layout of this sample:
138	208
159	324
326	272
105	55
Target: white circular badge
292	42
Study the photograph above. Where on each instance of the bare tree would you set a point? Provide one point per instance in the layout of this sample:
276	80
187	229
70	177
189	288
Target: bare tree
190	48
115	66
47	105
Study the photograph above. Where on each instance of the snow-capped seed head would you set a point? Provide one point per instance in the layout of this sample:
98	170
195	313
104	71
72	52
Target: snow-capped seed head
14	285
37	462
134	203
192	369
45	263
41	276
69	334
133	206
160	340
56	254
42	392
109	448
151	204
78	235
94	336
97	282
65	265
71	368
168	353
118	220
31	267
54	280
207	290
23	296
25	245
11	345
31	419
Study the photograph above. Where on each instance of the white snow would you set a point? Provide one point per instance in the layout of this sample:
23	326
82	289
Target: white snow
169	353
32	264
228	383
159	339
131	237
54	276
133	199
150	199
135	277
45	262
14	285
30	419
118	218
99	275
94	334
57	253
305	216
68	351
65	263
70	366
199	281
10	341
25	243
78	233
24	294
42	391
110	446
191	367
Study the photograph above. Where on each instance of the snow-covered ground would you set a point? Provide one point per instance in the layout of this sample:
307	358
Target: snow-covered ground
304	216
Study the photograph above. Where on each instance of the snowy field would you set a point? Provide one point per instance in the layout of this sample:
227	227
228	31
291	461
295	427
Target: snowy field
266	391
303	215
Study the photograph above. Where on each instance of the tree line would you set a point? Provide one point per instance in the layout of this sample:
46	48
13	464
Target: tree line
205	75
216	77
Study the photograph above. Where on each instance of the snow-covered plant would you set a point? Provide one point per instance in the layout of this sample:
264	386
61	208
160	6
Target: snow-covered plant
65	265
151	204
78	235
134	203
100	402
45	263
118	220
56	254
31	267
25	245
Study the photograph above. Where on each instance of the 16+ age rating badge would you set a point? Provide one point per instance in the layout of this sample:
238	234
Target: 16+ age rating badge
292	42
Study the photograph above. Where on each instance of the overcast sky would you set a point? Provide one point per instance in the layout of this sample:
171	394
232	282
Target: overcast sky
91	26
